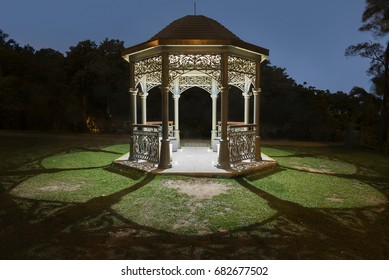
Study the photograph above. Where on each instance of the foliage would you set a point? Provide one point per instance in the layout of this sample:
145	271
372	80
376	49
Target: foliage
376	20
293	111
375	17
46	90
372	51
86	90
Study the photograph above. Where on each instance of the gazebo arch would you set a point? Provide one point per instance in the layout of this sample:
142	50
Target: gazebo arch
195	51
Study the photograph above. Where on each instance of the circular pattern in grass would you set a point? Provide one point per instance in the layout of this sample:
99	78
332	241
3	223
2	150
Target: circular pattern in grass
320	190
78	160
72	186
310	162
75	176
194	206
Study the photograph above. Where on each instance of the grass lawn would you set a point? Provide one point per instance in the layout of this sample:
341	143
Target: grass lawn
60	199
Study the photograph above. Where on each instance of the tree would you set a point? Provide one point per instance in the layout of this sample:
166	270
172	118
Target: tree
376	20
98	76
81	77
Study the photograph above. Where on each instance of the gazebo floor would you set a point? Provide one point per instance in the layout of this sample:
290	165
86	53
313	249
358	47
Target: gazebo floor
196	161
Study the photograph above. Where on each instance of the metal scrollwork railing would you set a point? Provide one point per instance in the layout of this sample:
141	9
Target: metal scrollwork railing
146	142
241	140
229	123
159	125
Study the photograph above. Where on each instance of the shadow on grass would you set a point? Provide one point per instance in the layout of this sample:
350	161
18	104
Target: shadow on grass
26	234
371	180
39	171
92	230
39	229
329	229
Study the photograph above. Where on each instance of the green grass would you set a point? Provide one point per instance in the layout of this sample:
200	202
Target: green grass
165	208
78	176
312	179
319	178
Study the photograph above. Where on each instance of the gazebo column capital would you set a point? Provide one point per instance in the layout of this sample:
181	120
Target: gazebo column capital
247	94
133	91
257	91
143	94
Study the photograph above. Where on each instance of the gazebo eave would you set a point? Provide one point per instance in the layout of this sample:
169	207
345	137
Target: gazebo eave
157	46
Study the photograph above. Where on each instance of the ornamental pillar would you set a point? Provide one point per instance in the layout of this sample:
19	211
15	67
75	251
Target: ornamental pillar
133	120
164	160
246	96
214	114
224	154
255	114
143	96
256	93
176	98
214	93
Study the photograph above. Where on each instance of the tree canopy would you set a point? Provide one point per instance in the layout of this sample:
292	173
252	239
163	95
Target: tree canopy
376	20
86	89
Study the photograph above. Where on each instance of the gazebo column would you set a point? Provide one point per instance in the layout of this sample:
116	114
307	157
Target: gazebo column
143	96
176	97
256	93
133	114
224	154
214	114
164	160
214	93
255	114
133	120
246	96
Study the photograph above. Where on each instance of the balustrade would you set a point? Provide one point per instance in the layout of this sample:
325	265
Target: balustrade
241	142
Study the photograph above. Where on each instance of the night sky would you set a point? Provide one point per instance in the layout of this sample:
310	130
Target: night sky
306	37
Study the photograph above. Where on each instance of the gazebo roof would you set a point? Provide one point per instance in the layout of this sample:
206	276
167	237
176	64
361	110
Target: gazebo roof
195	27
195	31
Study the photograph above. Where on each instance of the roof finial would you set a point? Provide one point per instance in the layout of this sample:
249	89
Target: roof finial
194	7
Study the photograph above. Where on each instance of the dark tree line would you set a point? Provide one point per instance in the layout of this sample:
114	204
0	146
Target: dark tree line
375	20
295	111
87	90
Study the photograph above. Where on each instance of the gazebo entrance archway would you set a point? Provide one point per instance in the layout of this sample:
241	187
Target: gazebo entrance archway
195	51
195	115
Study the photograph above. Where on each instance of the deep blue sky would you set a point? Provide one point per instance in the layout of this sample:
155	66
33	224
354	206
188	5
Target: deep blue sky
307	37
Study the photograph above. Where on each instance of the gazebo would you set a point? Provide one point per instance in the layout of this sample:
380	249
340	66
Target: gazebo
195	51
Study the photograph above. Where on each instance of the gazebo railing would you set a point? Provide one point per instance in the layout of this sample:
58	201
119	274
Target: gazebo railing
146	142
229	123
241	142
159	124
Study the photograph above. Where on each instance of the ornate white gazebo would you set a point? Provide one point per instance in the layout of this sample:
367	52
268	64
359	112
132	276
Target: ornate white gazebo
195	51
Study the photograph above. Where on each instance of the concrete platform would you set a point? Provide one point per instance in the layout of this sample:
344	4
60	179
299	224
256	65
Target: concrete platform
197	161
